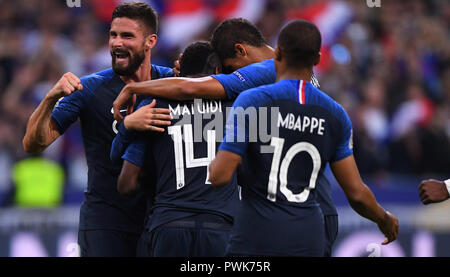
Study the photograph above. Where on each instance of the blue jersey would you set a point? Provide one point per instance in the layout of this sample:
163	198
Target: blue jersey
279	177
180	158
263	73
103	207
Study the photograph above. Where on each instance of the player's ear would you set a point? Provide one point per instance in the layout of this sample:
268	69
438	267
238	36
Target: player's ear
278	54
240	49
318	58
150	41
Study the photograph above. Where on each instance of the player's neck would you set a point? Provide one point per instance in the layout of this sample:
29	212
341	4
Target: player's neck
297	74
144	73
265	52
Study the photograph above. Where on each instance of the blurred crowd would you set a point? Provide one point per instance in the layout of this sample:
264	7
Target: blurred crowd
388	66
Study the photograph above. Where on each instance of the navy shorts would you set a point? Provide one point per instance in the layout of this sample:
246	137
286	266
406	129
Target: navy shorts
107	243
198	236
331	231
144	248
257	236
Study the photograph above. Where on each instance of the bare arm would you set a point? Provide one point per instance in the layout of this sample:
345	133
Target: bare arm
362	199
41	130
170	88
222	168
128	178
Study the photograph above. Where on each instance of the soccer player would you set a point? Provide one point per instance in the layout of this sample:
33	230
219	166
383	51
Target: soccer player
110	225
239	43
433	191
189	218
278	188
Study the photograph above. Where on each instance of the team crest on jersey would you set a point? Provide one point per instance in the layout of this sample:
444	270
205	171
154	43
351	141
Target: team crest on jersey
57	103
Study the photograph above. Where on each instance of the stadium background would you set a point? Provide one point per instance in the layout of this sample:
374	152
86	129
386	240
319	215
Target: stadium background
388	66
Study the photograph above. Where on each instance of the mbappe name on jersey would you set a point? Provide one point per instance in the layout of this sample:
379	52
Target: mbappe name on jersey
302	123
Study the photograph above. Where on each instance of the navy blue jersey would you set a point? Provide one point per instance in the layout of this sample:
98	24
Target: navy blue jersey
263	73
279	177
103	207
251	76
181	157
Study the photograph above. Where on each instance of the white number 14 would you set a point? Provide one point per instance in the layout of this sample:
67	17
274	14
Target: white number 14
191	162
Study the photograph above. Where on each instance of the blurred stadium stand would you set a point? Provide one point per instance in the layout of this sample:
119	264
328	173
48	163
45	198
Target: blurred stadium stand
388	66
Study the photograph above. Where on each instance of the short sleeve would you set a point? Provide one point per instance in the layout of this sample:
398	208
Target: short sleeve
136	151
248	77
68	109
345	141
161	72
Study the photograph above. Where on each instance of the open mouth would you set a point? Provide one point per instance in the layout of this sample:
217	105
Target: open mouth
121	55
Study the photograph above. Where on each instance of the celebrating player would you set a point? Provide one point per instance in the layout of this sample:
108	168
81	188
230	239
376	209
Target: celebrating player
189	218
278	188
239	43
110	225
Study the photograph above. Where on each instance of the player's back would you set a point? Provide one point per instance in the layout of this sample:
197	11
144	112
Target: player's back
278	185
180	158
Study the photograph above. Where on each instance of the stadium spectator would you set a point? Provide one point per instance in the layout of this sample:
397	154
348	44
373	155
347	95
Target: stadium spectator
38	182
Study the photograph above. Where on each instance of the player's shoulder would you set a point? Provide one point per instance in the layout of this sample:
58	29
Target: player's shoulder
94	80
90	84
103	75
268	64
272	91
316	96
161	71
264	66
257	96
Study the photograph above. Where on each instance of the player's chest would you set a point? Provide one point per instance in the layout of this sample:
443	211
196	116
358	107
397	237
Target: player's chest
98	115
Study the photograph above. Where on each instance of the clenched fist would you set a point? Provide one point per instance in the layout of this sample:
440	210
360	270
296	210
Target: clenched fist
433	191
68	84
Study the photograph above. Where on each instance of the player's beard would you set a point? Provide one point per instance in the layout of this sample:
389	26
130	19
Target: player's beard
134	63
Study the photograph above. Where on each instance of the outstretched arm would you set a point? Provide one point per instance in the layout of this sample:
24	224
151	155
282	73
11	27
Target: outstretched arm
41	129
362	199
170	88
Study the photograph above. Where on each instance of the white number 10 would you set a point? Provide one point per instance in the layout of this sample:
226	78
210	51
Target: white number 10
278	144
191	162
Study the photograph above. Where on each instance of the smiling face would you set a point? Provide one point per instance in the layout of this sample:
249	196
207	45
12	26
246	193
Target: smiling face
127	44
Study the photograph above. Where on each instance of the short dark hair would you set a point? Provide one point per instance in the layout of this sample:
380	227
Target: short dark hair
199	59
138	11
233	31
300	42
